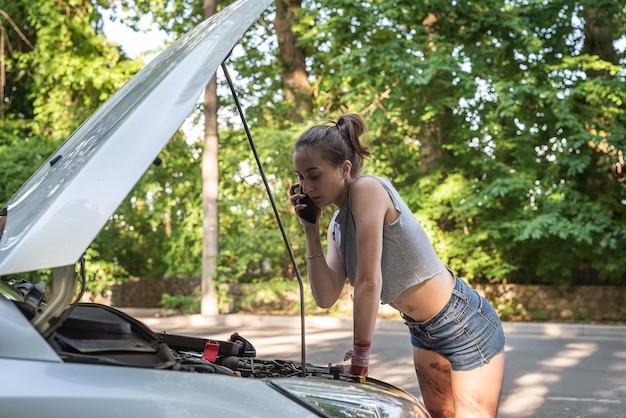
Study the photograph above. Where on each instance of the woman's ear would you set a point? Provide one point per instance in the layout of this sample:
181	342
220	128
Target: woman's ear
346	167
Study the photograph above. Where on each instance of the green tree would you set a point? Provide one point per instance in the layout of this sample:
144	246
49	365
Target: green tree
501	123
543	193
501	113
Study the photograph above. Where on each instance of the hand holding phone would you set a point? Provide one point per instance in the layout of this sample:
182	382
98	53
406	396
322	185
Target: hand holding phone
309	213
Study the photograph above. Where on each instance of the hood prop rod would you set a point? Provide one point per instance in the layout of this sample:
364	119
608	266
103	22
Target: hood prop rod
276	214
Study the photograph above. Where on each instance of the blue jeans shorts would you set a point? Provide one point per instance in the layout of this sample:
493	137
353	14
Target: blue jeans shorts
467	331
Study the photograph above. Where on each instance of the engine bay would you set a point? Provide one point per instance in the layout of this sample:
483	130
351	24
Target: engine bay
92	333
100	334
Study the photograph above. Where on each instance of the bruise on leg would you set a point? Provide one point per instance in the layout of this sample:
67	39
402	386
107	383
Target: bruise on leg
435	385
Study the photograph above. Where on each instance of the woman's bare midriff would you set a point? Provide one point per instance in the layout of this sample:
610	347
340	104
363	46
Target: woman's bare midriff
423	301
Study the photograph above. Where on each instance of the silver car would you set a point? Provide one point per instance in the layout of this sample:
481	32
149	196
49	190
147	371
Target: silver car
60	358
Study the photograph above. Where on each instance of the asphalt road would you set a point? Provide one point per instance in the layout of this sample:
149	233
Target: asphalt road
546	375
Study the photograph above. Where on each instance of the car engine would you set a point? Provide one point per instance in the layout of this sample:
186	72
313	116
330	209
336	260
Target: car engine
100	334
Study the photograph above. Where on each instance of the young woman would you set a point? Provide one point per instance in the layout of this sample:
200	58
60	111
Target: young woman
375	241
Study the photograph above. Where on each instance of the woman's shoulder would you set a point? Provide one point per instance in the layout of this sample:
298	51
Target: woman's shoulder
368	180
370	190
370	184
379	186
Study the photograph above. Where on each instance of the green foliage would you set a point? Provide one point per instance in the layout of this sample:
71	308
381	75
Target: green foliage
68	68
515	122
540	315
269	296
512	310
584	316
251	244
267	292
501	123
182	304
102	273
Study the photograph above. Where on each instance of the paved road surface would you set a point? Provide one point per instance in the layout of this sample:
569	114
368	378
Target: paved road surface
546	376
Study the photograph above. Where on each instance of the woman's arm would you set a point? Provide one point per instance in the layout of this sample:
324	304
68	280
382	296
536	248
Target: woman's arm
327	275
370	203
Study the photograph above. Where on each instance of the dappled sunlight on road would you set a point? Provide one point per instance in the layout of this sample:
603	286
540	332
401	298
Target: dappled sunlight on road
621	367
530	393
542	387
572	356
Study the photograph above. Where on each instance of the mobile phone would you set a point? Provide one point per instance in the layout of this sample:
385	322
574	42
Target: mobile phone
309	213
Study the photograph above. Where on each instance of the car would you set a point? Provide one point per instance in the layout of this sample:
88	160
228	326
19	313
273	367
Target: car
64	358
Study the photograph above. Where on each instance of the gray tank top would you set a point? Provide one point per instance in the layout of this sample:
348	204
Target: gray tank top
408	255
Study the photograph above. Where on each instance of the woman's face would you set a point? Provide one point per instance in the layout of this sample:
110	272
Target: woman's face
323	182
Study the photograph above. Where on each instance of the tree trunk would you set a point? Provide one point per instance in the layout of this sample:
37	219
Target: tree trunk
295	83
433	133
210	182
599	40
599	29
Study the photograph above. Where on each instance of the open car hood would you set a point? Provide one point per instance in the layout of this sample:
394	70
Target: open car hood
55	216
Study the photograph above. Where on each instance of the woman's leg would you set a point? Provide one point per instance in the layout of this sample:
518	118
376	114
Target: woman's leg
467	333
477	392
460	394
434	378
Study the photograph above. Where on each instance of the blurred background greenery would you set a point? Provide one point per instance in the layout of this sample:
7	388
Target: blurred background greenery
501	122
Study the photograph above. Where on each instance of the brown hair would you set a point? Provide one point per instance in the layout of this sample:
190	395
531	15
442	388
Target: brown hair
339	141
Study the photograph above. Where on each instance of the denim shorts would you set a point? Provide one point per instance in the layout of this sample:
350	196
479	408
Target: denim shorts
467	331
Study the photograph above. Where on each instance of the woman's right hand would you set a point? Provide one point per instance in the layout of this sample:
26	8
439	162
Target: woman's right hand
307	212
